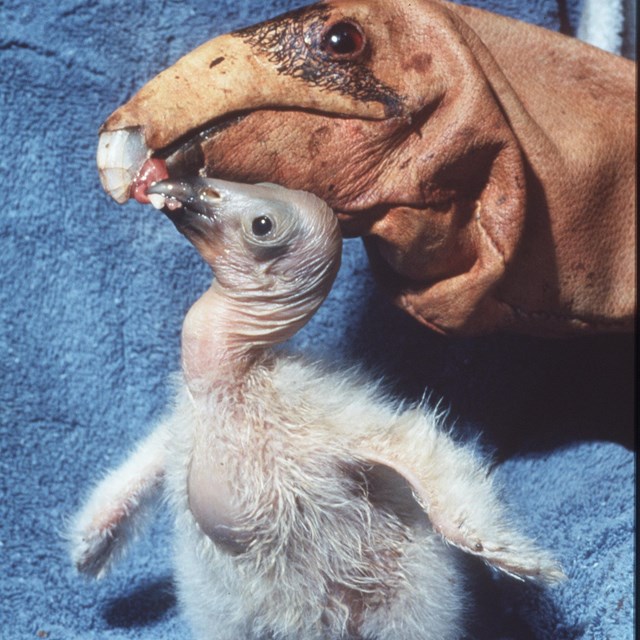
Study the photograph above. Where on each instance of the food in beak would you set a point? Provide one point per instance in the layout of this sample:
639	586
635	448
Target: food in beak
159	195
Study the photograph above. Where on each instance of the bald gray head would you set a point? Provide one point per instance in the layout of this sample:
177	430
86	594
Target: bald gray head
275	252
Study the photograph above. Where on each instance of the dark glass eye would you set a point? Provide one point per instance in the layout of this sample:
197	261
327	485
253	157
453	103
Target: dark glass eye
261	226
343	39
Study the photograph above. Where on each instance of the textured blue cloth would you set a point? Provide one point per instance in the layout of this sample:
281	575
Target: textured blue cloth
91	303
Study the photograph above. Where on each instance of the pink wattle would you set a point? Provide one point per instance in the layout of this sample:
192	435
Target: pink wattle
153	170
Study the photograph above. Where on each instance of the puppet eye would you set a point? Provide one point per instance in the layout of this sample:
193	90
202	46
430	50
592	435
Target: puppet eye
344	40
261	226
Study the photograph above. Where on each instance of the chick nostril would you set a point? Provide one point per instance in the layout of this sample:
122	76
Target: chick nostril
208	193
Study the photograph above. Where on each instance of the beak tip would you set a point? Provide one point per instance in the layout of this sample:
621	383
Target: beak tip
158	188
176	189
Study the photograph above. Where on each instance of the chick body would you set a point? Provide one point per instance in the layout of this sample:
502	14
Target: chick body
308	504
317	547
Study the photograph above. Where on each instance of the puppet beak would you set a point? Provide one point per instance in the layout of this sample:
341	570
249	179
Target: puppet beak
207	89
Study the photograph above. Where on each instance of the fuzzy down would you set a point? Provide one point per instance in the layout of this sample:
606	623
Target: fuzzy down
344	511
329	554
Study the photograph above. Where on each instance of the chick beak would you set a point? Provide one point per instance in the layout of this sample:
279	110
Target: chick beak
193	196
192	206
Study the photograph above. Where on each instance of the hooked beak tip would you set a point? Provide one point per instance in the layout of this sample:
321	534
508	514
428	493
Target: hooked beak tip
170	188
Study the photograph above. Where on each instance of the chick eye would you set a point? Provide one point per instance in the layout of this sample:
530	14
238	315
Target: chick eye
344	39
261	226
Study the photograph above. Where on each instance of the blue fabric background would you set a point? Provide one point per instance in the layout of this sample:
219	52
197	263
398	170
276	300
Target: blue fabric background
91	304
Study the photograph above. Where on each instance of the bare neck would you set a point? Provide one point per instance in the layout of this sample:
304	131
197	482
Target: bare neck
212	352
223	335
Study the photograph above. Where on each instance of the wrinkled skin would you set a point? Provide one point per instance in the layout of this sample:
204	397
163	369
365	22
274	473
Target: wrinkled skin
489	164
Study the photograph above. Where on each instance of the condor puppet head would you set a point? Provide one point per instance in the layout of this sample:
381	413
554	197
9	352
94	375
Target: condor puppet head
488	164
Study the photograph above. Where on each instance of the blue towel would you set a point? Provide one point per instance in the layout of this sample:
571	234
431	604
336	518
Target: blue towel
91	304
